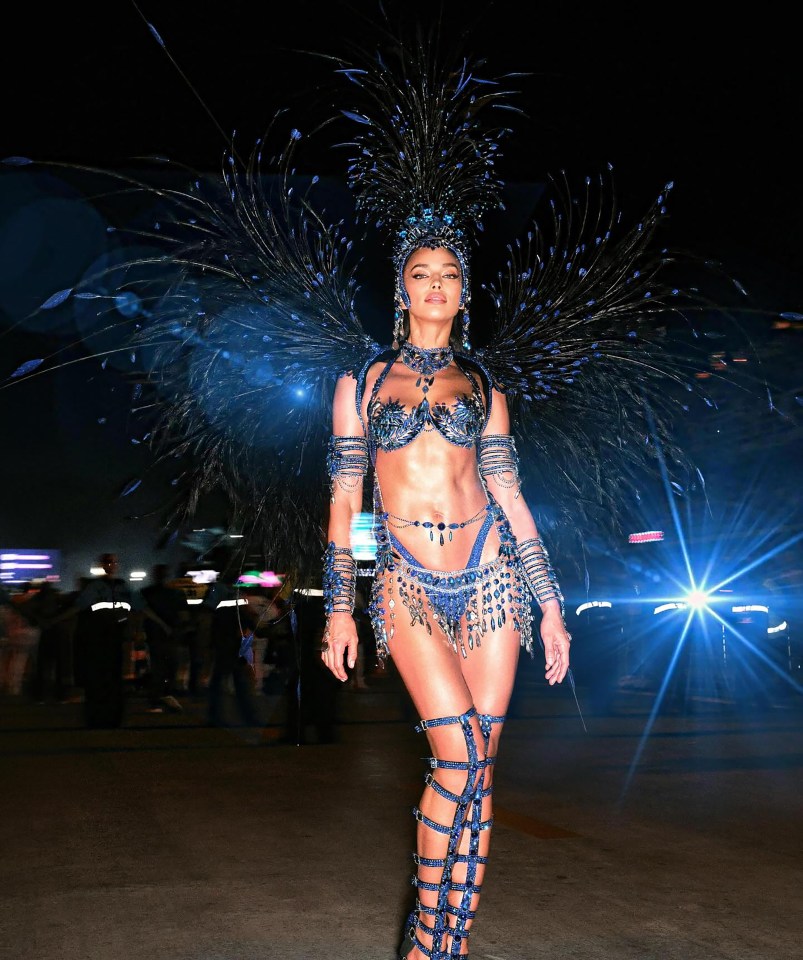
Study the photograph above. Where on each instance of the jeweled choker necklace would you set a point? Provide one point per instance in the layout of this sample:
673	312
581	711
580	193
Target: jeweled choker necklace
426	362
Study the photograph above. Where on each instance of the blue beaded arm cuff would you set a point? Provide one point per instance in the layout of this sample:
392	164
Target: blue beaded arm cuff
498	459
538	571
346	463
339	579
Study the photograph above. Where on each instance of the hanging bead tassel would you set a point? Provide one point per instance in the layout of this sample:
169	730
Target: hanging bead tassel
466	322
398	326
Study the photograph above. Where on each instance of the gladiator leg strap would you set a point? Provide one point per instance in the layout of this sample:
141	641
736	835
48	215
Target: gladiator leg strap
472	795
487	720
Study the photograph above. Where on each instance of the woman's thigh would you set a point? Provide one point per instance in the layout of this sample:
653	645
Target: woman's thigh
489	670
442	682
430	670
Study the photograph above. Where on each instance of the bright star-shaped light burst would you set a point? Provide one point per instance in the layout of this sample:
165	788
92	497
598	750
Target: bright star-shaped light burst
699	625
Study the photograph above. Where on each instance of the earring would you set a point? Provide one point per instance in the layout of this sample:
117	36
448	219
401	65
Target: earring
398	326
466	321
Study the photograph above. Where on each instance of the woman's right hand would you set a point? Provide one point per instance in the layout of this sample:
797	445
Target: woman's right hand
339	643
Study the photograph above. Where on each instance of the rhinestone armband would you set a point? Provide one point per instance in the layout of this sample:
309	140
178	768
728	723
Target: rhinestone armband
498	459
339	579
346	462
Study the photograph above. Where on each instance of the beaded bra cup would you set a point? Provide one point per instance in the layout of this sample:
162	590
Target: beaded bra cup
393	426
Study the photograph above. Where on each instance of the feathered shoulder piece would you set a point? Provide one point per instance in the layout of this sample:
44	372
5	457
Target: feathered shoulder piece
241	318
592	338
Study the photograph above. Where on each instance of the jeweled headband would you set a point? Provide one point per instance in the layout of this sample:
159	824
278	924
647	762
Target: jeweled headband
431	230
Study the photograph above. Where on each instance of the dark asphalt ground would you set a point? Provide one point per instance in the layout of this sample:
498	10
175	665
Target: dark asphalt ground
169	840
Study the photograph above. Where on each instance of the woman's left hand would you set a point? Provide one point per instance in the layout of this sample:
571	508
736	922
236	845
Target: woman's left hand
557	641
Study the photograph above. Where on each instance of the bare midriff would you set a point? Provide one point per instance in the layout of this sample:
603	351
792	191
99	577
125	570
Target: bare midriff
433	480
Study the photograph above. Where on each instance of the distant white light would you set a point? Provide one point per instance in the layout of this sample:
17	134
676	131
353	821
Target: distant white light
778	628
590	604
675	605
137	575
751	608
236	536
202	576
97	571
24	556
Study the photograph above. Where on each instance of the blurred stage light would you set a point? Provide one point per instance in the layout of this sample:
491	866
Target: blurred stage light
698	599
363	542
21	566
646	536
202	576
260	578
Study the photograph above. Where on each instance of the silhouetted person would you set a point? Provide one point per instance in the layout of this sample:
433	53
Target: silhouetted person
234	616
53	670
105	607
77	628
164	638
279	657
365	643
192	643
312	690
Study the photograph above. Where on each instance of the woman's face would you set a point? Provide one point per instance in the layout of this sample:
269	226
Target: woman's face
434	283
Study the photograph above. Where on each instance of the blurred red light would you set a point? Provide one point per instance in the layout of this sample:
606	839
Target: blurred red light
645	536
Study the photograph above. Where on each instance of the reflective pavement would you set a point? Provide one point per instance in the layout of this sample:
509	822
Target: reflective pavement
678	837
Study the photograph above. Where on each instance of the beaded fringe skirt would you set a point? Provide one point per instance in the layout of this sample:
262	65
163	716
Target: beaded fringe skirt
463	605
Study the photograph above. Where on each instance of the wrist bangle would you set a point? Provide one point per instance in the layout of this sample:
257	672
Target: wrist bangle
339	579
538	571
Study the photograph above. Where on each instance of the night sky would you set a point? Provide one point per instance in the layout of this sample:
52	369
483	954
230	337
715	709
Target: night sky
713	107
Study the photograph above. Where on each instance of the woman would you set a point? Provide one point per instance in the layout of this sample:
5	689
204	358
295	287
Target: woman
247	354
447	499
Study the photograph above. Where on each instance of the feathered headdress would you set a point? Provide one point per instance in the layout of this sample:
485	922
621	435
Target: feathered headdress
423	160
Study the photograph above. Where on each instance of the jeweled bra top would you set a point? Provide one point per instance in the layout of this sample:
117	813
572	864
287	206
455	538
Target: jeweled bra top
392	426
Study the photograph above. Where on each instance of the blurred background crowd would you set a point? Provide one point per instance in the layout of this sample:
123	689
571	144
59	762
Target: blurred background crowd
222	642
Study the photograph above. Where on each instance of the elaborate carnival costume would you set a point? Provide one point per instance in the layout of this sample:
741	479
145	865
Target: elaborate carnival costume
245	326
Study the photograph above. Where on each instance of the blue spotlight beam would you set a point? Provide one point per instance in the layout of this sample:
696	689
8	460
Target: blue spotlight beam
729	628
762	559
656	707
